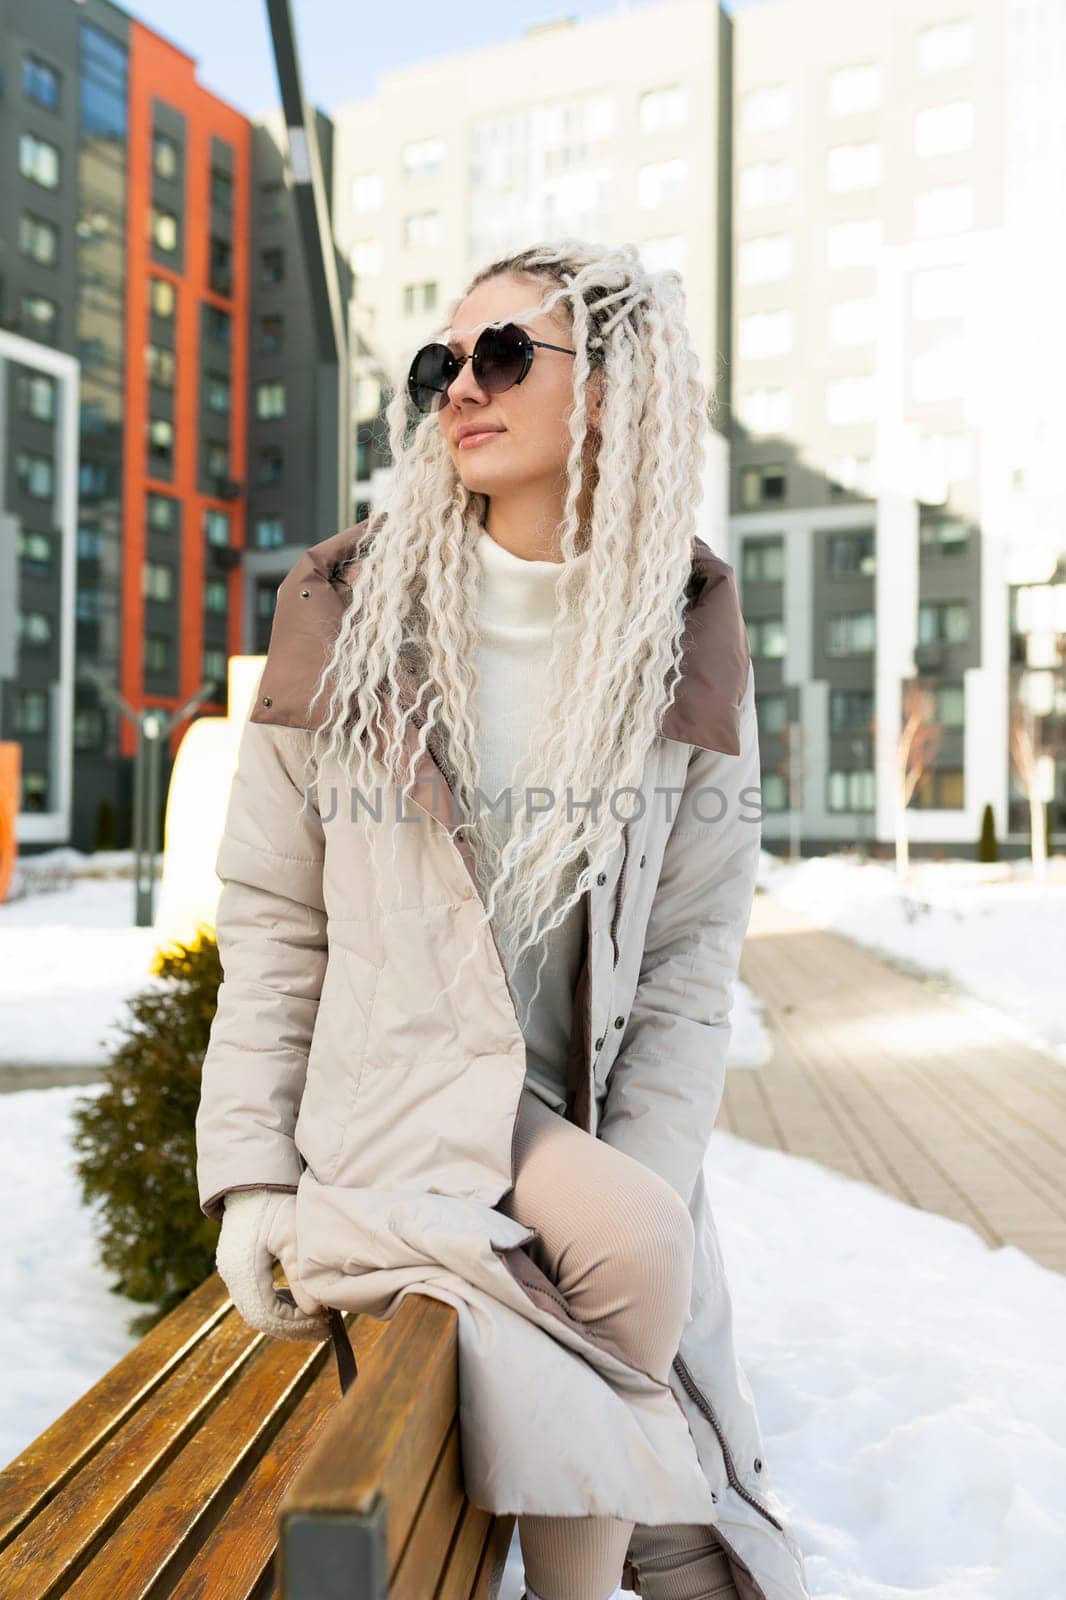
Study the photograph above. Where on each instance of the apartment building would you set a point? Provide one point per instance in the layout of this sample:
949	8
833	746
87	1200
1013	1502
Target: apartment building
614	128
884	437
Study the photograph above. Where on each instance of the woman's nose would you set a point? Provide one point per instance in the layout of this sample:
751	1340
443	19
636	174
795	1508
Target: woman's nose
464	384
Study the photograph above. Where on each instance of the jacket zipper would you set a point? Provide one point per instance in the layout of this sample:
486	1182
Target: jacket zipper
696	1394
620	891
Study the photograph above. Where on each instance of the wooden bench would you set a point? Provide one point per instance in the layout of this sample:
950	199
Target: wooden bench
212	1463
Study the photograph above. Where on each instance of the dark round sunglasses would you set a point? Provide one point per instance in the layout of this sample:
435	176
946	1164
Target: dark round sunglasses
501	356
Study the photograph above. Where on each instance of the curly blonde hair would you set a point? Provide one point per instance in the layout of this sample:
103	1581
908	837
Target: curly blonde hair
616	644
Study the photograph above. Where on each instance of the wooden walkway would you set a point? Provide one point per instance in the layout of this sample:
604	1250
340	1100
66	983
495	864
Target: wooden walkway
890	1079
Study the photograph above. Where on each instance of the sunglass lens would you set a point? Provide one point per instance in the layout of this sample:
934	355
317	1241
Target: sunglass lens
432	370
499	358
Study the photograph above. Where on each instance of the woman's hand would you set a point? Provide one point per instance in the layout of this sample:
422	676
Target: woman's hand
259	1228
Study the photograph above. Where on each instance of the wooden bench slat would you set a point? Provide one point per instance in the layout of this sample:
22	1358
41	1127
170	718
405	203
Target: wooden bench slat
36	1475
435	1526
464	1558
494	1559
90	1505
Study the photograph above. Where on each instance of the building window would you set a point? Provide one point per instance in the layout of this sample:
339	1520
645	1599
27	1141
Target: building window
158	580
89	543
272	265
944	46
943	536
103	84
216	594
850	709
216	393
856	88
939	374
96	479
950	702
268	533
88	605
366	191
853	166
272	200
216	460
850	633
850	400
765	411
766	636
38	240
270	466
422	228
222	191
219	326
29	711
763	560
948	209
40	82
940	789
221	266
265	602
161	297
35	553
39	160
851	791
762	486
164	156
772	711
774	792
88	727
853	321
661	109
156	652
765	183
271	333
763	110
34	474
270	399
37	395
662	183
423	158
39	318
943	460
160	363
162	513
160	444
214	667
164	230
418	297
34	629
854	244
851	554
943	130
766	259
944	622
216	528
764	333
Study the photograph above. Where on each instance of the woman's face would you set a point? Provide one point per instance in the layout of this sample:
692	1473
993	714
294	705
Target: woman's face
530	449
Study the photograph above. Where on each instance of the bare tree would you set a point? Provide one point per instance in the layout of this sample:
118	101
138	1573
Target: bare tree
916	748
1033	765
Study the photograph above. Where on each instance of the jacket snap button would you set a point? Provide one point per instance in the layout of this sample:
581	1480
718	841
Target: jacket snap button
643	859
757	1464
599	1044
714	1497
601	877
267	701
619	1022
305	594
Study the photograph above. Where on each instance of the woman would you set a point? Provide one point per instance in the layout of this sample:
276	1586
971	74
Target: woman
421	1026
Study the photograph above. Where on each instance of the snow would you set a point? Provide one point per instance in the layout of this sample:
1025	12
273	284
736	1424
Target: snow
987	929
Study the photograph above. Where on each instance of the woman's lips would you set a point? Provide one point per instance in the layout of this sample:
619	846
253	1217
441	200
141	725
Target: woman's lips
468	440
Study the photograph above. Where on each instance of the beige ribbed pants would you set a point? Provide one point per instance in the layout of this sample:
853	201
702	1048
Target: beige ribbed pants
617	1241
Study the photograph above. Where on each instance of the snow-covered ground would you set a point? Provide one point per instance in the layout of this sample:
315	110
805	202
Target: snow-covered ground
910	1382
985	928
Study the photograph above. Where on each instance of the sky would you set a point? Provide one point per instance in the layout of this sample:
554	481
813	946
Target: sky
343	47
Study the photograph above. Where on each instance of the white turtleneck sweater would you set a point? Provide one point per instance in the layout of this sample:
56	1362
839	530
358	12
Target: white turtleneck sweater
517	601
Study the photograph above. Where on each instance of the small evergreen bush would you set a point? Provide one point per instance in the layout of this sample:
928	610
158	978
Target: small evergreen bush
136	1137
987	848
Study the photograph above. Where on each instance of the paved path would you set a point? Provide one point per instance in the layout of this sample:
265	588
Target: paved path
12	1079
892	1079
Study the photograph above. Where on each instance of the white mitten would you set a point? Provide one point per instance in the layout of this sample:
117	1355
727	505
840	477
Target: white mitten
259	1227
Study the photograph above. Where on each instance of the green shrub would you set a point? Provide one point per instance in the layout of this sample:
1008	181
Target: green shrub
987	848
136	1137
